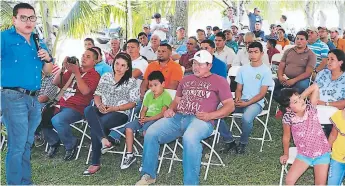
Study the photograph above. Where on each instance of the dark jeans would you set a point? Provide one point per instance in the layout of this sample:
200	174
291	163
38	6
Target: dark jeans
300	86
100	125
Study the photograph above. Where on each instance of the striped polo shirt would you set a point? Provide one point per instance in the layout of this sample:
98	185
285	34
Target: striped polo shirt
320	49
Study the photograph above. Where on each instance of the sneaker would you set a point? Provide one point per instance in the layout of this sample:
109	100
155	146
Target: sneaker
241	148
228	147
114	143
127	162
146	180
39	140
279	114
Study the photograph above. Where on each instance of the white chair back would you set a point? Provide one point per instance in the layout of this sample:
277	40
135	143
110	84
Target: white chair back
288	46
232	72
277	58
325	112
279	47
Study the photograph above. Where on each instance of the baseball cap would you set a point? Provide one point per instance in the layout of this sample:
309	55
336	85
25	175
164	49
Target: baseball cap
146	26
272	26
334	29
209	27
202	56
179	28
257	9
322	27
227	30
312	28
234	26
157	15
215	28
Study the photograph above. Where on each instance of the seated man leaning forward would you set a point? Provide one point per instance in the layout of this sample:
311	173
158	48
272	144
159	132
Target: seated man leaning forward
190	115
253	81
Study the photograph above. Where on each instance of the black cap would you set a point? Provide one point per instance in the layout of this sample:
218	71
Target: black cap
157	15
215	28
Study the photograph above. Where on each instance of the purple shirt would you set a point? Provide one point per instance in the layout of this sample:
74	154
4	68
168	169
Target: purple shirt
202	94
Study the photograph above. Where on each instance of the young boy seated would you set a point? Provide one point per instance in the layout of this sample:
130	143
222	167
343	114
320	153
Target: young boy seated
271	49
155	103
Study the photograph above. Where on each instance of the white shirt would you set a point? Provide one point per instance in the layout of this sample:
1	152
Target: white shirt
226	23
242	58
141	64
143	47
227	55
149	53
162	35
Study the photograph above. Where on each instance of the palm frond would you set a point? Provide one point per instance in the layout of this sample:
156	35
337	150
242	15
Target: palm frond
6	15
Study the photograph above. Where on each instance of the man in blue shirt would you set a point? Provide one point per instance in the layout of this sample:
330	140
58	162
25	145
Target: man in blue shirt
21	67
218	66
101	67
323	33
253	18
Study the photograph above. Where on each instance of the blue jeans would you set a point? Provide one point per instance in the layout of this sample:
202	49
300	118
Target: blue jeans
166	130
300	86
100	126
61	122
336	173
134	125
249	114
21	116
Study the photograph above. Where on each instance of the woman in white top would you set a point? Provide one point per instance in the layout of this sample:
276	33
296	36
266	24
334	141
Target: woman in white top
115	95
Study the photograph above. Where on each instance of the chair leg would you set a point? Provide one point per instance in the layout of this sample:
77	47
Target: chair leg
210	158
124	154
282	175
161	159
82	140
46	150
173	156
88	155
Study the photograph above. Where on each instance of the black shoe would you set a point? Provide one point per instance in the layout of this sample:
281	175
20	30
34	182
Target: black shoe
241	148
228	147
71	153
52	150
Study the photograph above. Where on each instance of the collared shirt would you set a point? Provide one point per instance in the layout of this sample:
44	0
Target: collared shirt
340	44
253	19
149	53
103	68
267	37
227	55
227	23
20	64
185	59
283	42
177	43
330	90
320	49
219	67
330	45
110	56
232	44
48	88
113	95
271	52
260	34
242	58
157	26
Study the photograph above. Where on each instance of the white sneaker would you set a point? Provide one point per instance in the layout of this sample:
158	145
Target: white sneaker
129	159
146	180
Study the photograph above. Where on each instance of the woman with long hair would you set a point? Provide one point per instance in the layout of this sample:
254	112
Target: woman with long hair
115	95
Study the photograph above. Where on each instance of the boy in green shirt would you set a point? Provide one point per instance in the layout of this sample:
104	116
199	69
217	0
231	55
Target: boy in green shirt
155	103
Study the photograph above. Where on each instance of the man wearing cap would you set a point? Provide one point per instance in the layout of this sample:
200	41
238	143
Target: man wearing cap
323	33
200	35
253	18
273	34
208	32
185	60
159	28
338	42
230	19
319	48
229	40
178	43
147	31
192	115
259	34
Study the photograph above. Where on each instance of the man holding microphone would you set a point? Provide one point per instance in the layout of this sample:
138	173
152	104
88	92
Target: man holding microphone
22	61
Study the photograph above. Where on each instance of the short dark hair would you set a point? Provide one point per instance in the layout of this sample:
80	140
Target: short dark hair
167	45
90	39
215	28
340	57
99	50
156	75
22	6
134	41
142	34
273	42
281	29
284	17
200	30
256	45
210	42
284	98
95	53
221	34
302	33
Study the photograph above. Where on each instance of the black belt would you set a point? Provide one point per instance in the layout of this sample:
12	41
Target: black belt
22	90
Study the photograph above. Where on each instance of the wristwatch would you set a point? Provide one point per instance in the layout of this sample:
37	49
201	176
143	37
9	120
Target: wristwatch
327	103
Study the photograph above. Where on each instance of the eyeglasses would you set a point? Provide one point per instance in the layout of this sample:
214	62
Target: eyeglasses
199	64
24	18
190	44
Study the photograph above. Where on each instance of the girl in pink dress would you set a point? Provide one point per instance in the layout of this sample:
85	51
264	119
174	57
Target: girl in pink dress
300	120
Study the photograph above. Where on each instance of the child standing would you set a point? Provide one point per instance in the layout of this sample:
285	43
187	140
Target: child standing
301	120
337	141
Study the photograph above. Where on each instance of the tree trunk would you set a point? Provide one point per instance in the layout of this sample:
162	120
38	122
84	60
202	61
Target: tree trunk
322	18
309	12
47	24
130	19
341	11
181	16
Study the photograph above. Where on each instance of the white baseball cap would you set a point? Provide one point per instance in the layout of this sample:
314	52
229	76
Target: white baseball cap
203	56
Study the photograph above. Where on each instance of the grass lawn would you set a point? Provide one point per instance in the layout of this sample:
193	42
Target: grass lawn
254	167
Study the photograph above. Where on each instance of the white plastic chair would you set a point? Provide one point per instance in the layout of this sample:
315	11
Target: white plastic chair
287	47
276	58
292	157
279	47
264	113
215	134
233	72
324	113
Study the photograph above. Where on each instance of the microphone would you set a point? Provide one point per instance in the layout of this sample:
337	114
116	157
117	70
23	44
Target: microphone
37	43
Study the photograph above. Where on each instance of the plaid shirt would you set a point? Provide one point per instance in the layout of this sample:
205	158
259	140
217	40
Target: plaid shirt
47	87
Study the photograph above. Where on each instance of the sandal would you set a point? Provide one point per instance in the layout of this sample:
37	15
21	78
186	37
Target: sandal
91	170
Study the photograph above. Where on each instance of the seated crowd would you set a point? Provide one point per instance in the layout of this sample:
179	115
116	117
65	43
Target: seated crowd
139	78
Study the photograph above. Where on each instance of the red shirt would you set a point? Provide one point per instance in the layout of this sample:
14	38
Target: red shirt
271	52
78	101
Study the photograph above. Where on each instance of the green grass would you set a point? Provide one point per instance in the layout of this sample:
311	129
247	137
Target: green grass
254	167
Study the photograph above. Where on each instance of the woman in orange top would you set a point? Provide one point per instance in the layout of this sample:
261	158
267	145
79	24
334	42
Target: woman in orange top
281	39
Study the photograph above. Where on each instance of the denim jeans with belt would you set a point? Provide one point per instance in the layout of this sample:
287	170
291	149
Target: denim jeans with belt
166	130
300	86
21	116
249	114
